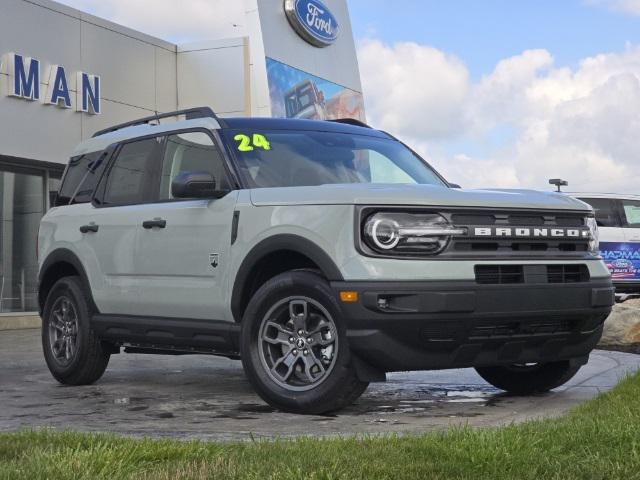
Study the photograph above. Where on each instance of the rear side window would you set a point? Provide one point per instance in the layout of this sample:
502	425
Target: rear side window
631	213
605	210
131	177
191	152
81	178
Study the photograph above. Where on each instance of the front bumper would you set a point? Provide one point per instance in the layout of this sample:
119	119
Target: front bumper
398	326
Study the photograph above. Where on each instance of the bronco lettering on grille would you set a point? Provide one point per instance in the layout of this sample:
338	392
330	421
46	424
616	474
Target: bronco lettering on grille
531	232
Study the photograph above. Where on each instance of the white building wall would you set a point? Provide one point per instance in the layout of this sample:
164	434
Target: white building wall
138	76
215	74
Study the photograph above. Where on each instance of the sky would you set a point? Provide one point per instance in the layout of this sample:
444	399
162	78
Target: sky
493	93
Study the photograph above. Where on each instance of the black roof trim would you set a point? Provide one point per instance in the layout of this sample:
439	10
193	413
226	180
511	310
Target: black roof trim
268	123
190	114
350	121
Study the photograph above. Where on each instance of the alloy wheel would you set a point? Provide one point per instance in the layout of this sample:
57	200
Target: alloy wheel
63	331
298	343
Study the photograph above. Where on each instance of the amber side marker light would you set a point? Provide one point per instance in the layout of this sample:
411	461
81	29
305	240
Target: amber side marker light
349	297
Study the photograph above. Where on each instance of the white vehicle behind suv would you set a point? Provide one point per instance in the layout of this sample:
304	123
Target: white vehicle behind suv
618	218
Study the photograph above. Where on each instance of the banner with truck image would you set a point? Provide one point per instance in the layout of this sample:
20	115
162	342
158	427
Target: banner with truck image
298	94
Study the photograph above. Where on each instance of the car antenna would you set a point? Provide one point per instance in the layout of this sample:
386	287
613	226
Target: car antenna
558	182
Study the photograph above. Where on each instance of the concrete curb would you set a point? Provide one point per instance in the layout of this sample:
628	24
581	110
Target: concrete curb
20	322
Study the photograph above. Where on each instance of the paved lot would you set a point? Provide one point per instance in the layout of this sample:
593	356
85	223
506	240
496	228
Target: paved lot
209	398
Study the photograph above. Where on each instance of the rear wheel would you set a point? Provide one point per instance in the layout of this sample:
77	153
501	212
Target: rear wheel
294	346
527	379
74	354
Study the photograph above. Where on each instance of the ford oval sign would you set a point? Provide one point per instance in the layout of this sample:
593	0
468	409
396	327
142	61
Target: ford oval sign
313	21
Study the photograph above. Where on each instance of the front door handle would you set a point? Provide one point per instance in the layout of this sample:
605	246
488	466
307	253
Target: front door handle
156	222
92	227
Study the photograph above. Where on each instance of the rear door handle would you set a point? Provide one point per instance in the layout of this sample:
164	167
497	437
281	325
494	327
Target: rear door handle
92	227
156	222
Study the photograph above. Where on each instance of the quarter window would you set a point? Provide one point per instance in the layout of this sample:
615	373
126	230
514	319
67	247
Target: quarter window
631	213
131	178
81	178
191	152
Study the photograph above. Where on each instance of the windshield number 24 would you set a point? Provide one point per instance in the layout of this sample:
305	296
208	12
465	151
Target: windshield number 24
248	143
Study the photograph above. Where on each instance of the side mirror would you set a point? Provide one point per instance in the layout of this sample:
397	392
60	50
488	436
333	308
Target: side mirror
195	185
454	185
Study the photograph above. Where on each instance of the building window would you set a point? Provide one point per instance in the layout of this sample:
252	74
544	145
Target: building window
24	197
22	204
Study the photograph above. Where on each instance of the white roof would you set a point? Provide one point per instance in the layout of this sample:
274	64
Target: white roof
101	142
618	196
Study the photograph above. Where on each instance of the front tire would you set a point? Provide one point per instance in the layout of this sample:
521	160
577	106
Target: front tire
529	379
294	346
73	352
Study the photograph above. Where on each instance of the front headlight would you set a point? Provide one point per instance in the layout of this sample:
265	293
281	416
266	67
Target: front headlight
594	240
395	233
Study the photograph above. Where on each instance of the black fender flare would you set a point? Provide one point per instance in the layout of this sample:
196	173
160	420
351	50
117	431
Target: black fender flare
273	244
63	255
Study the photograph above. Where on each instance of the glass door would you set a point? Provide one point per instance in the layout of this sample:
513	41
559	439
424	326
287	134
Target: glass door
22	205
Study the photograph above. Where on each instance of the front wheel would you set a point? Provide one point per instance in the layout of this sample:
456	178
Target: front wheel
74	354
527	379
294	346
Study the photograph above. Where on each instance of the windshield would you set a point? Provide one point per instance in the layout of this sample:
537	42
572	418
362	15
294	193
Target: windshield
287	158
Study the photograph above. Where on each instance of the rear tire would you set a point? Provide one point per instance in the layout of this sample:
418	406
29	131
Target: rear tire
73	352
294	346
529	379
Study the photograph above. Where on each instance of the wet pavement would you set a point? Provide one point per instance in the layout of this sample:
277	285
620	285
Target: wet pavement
209	398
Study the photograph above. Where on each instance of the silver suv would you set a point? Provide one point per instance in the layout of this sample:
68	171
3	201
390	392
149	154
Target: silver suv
322	253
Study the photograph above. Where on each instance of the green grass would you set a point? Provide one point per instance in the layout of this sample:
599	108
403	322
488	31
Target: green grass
600	439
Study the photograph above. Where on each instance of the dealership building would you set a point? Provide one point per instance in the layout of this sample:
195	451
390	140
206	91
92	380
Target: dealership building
66	74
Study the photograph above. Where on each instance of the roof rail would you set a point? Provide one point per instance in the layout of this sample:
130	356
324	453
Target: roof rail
190	114
350	121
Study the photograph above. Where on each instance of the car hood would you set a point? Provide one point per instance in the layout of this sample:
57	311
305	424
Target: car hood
431	195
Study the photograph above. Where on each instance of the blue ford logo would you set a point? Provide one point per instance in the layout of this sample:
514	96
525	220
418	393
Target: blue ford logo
622	263
313	21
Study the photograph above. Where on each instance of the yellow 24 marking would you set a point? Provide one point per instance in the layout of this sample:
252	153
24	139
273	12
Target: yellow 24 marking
247	143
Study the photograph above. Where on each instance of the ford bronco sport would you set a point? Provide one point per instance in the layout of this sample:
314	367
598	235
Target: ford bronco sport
322	253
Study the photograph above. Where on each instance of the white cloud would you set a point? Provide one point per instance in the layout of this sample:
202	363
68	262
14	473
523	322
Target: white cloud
580	124
183	21
630	7
406	78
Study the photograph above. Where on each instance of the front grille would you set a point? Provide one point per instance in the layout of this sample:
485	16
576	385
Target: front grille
514	274
513	245
519	219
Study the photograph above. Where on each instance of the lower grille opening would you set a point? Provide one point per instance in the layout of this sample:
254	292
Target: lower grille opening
567	273
444	332
510	329
512	274
499	274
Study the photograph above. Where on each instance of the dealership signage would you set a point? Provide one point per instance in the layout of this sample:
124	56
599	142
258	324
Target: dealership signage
25	82
313	21
622	259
